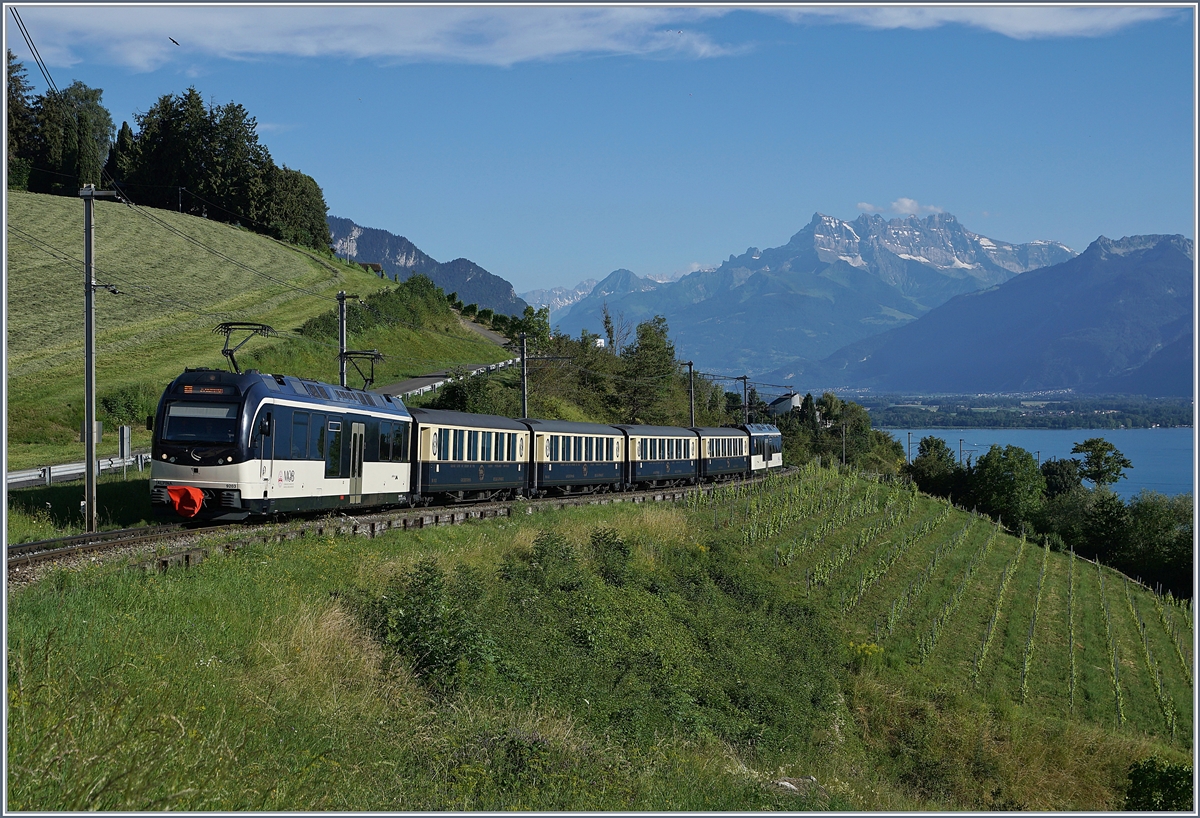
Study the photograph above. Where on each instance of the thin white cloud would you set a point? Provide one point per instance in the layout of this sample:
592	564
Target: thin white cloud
137	35
903	206
906	206
1018	22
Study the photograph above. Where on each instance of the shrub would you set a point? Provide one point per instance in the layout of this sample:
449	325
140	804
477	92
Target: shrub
1158	785
130	403
610	555
428	621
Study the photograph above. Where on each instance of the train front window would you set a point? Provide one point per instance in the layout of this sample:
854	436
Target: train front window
201	422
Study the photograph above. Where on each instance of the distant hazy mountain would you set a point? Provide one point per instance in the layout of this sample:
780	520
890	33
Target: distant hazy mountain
558	299
400	257
833	283
1116	318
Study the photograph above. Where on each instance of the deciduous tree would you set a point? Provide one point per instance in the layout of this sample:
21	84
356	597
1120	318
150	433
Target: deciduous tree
1103	464
1007	483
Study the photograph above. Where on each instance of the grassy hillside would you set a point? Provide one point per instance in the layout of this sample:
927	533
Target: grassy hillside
907	654
173	293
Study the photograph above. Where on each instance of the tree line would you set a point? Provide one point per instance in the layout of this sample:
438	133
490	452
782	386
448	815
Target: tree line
1150	537
633	374
186	155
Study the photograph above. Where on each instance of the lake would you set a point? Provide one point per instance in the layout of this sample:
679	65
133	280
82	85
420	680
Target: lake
1162	458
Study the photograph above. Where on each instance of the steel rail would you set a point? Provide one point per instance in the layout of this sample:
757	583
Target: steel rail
46	550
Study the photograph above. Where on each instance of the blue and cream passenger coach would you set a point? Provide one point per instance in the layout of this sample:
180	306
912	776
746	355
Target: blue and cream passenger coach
463	456
661	455
574	458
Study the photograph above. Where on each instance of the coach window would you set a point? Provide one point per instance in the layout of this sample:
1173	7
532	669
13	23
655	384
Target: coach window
400	440
385	441
282	431
299	450
316	438
486	451
588	449
472	445
441	440
555	449
333	449
460	439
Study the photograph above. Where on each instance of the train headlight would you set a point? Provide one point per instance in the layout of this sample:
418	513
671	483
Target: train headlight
164	455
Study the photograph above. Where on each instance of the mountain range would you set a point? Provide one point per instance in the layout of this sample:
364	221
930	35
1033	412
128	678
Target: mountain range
558	298
1115	319
400	258
833	283
916	305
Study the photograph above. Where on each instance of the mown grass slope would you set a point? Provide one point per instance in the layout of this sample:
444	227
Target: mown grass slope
179	277
907	654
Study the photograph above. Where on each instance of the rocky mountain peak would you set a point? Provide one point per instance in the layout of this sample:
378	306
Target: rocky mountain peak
1104	246
623	281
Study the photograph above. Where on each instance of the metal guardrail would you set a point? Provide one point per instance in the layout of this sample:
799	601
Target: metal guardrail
477	371
66	472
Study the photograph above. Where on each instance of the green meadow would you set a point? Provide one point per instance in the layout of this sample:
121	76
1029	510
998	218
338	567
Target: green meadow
178	277
906	654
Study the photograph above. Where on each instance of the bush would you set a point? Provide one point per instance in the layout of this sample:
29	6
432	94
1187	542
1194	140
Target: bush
129	404
610	555
1158	785
428	621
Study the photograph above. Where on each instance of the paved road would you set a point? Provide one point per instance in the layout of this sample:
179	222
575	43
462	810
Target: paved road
494	337
423	384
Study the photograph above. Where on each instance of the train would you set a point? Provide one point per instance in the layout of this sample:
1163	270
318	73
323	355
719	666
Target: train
232	446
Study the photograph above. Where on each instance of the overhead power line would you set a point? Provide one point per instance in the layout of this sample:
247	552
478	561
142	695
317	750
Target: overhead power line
37	58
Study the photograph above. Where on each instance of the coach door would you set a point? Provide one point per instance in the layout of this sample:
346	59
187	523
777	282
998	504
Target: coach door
357	445
266	436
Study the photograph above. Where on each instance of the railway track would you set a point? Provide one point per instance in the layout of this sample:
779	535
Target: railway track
30	553
368	524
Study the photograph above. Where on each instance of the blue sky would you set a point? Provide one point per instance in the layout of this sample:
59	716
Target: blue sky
556	144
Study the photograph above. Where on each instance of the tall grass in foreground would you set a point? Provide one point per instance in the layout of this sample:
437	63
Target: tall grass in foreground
628	656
